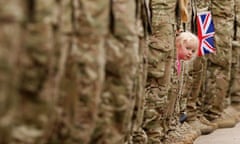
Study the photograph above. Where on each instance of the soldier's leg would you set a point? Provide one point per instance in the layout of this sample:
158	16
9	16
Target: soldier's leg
10	48
195	115
197	73
235	91
186	85
138	135
80	32
219	65
118	97
177	100
159	68
235	71
34	68
235	74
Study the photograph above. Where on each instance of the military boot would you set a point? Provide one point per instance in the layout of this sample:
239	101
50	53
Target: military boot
181	133
230	110
173	137
205	121
188	133
193	131
225	121
235	74
204	128
187	137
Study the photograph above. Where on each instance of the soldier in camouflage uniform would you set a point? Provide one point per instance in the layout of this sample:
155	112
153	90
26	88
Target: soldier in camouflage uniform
235	91
124	77
235	71
29	114
230	110
86	25
77	74
49	43
182	87
138	135
11	20
160	56
62	97
161	117
197	72
219	66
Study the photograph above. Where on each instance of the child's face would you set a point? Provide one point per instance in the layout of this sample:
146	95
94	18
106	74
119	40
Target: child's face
186	50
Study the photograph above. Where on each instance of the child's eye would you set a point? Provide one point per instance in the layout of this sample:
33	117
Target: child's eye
188	48
193	51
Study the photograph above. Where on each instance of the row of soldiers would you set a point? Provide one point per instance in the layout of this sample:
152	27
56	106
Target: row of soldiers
103	72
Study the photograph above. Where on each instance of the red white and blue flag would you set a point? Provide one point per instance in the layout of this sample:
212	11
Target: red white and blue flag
205	33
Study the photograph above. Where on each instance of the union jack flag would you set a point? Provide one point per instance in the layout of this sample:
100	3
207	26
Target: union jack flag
205	33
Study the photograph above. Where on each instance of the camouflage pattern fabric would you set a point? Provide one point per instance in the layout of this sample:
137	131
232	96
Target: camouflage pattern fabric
31	110
160	60
87	72
186	79
50	46
138	135
62	69
82	83
193	101
219	65
11	19
181	84
197	72
48	49
235	73
122	59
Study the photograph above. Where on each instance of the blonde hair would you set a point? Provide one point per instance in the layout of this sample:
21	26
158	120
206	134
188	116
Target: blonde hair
189	38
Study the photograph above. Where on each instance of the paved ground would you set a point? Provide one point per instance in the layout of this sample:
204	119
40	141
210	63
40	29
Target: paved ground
221	136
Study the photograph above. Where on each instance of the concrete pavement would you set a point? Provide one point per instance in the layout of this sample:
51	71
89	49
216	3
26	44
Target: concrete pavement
221	136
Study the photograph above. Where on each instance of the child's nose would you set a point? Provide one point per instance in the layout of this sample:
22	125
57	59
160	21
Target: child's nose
190	52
